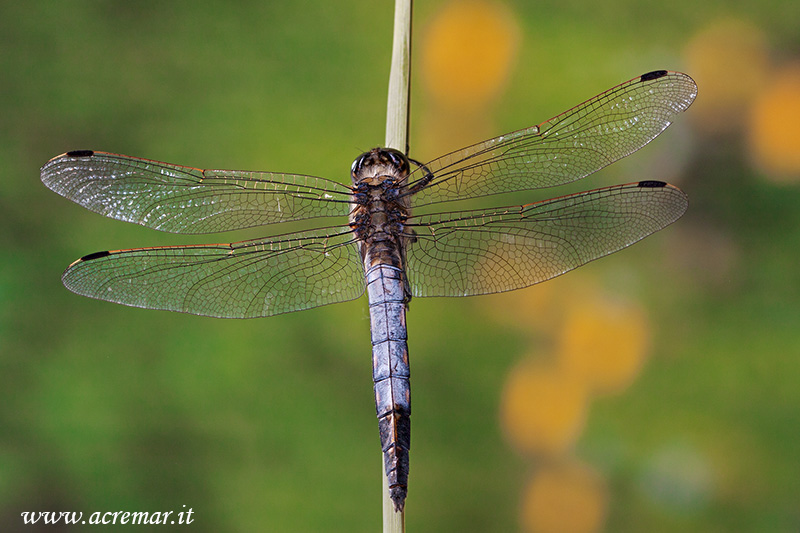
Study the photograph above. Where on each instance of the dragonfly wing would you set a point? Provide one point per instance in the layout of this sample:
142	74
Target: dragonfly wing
566	148
496	250
247	279
182	199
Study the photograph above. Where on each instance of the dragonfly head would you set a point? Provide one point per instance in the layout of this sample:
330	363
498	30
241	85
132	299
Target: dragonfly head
379	164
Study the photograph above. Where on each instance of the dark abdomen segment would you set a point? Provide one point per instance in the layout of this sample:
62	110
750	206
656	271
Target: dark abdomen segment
390	372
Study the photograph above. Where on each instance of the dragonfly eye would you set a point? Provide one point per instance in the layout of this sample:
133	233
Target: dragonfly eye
358	164
397	158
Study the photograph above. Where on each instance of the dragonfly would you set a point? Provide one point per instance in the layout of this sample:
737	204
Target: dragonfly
381	244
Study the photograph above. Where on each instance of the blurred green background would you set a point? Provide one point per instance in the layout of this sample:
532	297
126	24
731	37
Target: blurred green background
269	425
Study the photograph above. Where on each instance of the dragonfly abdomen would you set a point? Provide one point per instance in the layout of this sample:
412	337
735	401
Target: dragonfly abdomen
391	372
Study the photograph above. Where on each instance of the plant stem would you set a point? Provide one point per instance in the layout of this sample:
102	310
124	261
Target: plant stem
397	138
399	79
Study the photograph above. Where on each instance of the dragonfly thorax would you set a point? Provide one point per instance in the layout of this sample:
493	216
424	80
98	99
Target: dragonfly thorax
379	207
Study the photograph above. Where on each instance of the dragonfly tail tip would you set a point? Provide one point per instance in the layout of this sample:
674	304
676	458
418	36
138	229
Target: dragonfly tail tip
398	495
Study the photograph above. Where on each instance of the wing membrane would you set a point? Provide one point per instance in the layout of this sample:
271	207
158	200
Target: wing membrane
566	148
240	280
182	199
496	250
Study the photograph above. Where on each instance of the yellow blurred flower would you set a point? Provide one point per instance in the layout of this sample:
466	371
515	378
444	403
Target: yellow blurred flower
467	52
729	61
774	139
602	342
564	498
542	410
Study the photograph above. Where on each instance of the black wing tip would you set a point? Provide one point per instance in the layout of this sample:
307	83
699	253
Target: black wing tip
95	255
80	153
654	75
653	184
57	160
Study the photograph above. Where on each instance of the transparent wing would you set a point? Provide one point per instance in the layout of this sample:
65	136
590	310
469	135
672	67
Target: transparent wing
239	280
181	199
566	148
495	250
